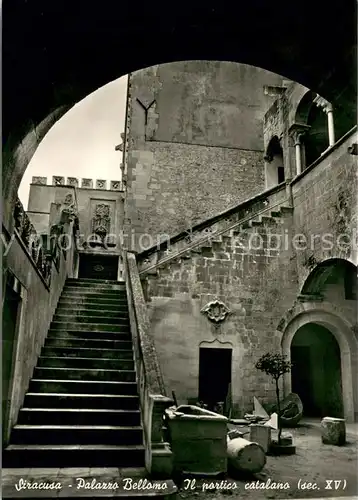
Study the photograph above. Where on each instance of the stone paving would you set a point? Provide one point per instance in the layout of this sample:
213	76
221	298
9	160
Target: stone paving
313	463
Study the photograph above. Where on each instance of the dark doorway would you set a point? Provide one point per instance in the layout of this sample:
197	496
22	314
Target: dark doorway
101	267
316	371
11	305
281	174
214	374
302	382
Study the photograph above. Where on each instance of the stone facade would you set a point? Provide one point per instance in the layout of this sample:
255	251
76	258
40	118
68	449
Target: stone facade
89	202
261	287
194	143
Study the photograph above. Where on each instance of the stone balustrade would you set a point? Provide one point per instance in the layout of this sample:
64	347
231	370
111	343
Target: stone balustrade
33	242
75	182
153	400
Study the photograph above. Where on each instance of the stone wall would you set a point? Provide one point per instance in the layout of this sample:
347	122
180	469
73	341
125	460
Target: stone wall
325	201
194	143
249	281
260	287
38	305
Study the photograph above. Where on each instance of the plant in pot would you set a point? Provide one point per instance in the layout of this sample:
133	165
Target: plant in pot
276	365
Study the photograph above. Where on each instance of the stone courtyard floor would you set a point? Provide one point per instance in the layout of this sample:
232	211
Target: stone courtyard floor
313	463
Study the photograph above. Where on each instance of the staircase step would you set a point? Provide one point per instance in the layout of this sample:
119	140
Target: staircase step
98	327
100	401
72	310
94	299
286	211
92	363
76	434
95	286
78	416
78	318
95	343
86	352
95	281
90	292
64	317
75	334
115	306
82	386
96	304
24	456
51	373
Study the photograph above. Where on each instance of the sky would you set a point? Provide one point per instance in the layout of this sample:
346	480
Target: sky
82	142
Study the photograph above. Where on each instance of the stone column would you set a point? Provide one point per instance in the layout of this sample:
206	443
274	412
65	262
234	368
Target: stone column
298	153
296	132
328	109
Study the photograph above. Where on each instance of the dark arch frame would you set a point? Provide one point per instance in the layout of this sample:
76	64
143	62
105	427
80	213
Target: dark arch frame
56	53
320	274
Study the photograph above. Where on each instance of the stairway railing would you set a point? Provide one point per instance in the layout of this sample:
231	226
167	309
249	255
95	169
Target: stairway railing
153	400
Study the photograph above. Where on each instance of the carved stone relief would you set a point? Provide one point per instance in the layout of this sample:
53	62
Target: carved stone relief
42	181
101	184
58	181
72	181
115	185
216	311
101	222
87	183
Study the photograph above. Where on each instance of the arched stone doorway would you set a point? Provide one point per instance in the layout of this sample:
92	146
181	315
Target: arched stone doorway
316	372
342	333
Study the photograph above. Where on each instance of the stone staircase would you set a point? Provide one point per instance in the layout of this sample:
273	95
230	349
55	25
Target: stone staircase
218	244
82	406
264	209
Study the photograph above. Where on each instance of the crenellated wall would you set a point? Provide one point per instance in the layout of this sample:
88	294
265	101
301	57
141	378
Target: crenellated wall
90	201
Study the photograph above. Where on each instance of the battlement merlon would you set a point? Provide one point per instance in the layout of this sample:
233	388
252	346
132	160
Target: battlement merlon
75	182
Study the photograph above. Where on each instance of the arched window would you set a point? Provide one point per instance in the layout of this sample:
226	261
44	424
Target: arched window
313	130
274	167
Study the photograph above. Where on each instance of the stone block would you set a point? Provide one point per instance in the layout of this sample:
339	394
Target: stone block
101	184
42	181
72	181
58	180
333	431
116	185
261	435
87	183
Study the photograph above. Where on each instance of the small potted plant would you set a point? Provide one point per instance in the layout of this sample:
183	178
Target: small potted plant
275	365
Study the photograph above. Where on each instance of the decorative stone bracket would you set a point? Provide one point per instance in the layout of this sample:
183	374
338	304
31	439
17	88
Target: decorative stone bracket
216	311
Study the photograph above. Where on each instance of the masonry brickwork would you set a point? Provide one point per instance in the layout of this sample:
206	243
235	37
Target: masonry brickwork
194	142
249	282
261	287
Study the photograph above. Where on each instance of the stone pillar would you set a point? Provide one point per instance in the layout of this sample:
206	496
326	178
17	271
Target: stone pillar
297	131
159	455
298	155
333	431
327	108
331	135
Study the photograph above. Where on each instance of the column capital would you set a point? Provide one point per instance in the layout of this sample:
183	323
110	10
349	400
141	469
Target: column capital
322	103
296	131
